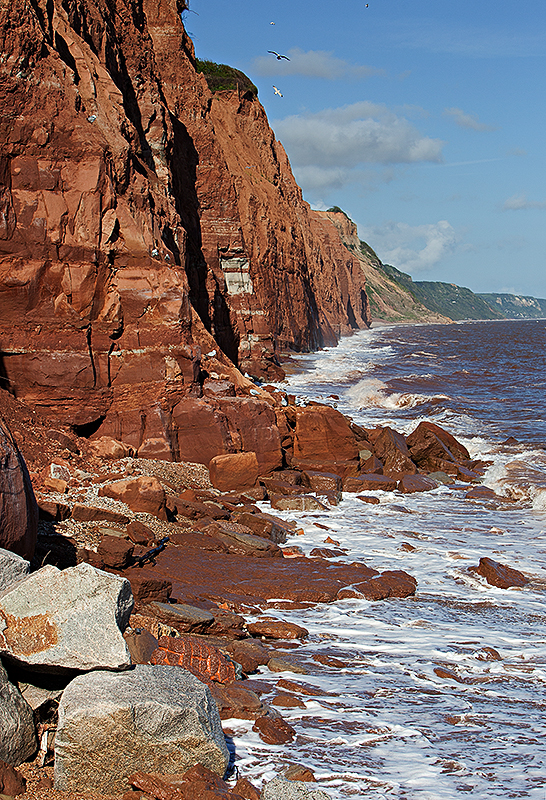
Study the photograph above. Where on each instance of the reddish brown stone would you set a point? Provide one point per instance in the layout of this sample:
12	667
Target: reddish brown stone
369	483
284	700
246	790
115	552
368	499
373	465
235	471
51	511
82	513
143	494
499	574
391	448
249	653
140	533
423	439
12	782
325	552
146	589
297	772
394	583
18	507
323	434
141	645
201	659
274	731
416	483
237	702
277	629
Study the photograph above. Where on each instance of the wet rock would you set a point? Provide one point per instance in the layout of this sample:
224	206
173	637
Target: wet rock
56	620
391	449
500	575
12	569
481	493
323	483
371	482
298	772
299	502
323	434
366	498
249	653
141	494
284	700
197	656
395	583
274	731
181	616
18	507
146	589
325	552
161	719
198	783
442	477
265	525
227	623
487	654
12	782
237	702
416	483
424	438
241	540
275	486
276	664
237	471
277	629
18	740
283	789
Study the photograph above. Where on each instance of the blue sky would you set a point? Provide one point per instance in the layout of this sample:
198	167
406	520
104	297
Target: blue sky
424	120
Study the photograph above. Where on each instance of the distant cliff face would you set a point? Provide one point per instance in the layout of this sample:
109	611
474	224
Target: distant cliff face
145	221
389	301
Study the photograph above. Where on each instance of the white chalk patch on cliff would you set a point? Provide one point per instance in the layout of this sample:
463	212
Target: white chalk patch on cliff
236	274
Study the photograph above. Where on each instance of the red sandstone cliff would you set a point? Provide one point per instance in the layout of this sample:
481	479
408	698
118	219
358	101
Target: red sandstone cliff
144	223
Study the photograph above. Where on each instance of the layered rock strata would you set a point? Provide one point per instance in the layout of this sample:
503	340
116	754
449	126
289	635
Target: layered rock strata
151	232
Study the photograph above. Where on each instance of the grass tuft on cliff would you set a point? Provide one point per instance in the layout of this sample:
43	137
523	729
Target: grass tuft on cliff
221	77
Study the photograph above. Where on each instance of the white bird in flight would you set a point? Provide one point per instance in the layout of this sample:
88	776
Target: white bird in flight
279	55
277	91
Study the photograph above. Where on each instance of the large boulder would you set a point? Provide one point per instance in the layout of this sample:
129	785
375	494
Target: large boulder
56	620
12	569
18	507
156	719
144	494
17	731
234	471
323	436
391	448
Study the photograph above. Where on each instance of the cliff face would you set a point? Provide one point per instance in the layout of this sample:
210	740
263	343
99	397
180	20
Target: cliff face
145	221
388	301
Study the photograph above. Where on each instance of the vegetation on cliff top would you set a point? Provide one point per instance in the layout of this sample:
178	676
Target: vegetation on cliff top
221	77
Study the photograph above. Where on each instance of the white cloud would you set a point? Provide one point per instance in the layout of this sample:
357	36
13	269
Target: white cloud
411	248
464	120
329	148
519	202
313	64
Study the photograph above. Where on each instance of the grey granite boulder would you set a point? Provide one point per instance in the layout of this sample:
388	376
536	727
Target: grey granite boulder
154	718
17	732
57	620
12	569
281	789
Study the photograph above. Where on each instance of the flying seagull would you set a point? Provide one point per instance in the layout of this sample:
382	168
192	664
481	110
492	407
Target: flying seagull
277	91
279	56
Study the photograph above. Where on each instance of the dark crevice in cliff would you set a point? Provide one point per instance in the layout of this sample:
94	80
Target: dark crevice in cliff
88	428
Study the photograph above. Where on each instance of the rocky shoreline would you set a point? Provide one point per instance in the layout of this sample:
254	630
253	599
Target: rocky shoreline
144	569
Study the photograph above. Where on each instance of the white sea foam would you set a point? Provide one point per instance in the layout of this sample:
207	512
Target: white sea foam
423	708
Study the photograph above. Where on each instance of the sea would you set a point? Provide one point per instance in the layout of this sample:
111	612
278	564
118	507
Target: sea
441	695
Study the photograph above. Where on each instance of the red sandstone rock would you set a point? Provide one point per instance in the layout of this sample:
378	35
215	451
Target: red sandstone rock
368	499
422	434
284	700
115	552
107	448
298	772
237	702
368	483
274	731
416	483
140	533
82	513
249	653
237	471
146	590
12	782
141	494
322	435
391	448
499	574
18	507
201	659
389	584
277	629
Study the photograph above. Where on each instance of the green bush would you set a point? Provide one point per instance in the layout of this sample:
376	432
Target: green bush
221	77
